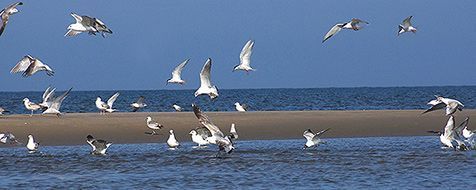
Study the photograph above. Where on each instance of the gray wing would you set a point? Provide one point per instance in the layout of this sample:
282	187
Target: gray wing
203	119
334	30
23	65
407	22
4	16
356	21
320	133
464	124
3	23
203	132
48	94
72	33
100	144
205	73
77	17
112	99
179	68
56	104
141	100
438	106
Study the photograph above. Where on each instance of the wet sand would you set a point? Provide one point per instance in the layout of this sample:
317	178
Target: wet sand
72	128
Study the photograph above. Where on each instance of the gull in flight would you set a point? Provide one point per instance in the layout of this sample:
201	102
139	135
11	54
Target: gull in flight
99	146
140	103
245	56
451	105
206	86
3	110
32	146
200	135
355	24
8	138
176	73
30	65
233	133
30	105
153	125
6	13
54	103
87	24
177	108
223	142
406	26
239	107
172	142
103	107
313	139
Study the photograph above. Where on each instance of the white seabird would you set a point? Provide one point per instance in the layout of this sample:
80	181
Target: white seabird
200	135
153	125
30	105
103	107
32	146
177	108
451	137
140	103
468	133
30	65
406	26
3	110
99	147
451	105
87	24
223	142
8	138
245	56
176	73
354	24
313	139
6	13
239	107
206	86
172	142
233	133
55	103
48	96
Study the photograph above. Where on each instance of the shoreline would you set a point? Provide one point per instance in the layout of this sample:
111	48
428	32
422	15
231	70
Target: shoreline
125	127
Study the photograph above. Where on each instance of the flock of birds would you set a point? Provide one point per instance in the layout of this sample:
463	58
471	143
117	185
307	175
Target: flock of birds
458	137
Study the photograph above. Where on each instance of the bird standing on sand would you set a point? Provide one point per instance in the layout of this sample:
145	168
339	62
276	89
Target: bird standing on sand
245	57
3	110
206	86
140	103
6	13
30	65
200	135
54	104
239	107
406	26
451	105
30	105
172	142
99	147
355	24
32	146
313	139
153	125
177	108
223	142
176	73
103	107
87	24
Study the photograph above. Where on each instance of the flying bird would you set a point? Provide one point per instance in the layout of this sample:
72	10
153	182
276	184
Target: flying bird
32	146
99	147
153	125
54	104
177	108
406	26
140	103
30	65
87	24
313	139
355	24
103	107
223	142
440	102
206	86
6	13
30	105
176	73
245	56
172	142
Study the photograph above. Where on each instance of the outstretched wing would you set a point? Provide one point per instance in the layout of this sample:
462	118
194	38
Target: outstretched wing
334	30
178	70
203	119
23	65
438	106
205	73
407	22
112	99
141	100
56	104
245	54
308	134
320	133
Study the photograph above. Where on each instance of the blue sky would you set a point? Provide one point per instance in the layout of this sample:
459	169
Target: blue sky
151	37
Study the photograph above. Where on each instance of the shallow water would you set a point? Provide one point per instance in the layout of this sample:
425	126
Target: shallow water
350	163
394	98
